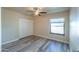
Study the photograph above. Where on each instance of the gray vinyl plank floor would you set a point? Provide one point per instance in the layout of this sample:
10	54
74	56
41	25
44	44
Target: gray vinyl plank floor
35	44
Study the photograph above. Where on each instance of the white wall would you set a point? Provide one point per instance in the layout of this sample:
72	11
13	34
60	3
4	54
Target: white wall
42	27
0	28
74	29
12	23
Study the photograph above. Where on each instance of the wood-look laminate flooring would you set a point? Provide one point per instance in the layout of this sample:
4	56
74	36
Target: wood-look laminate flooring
35	44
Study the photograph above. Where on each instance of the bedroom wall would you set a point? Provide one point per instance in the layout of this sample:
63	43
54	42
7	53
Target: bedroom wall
15	25
74	29
0	28
42	28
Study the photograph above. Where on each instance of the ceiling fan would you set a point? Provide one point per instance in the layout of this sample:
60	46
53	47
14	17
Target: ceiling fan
37	11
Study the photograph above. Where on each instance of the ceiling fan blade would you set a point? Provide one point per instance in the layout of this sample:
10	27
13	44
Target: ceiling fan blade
30	10
36	11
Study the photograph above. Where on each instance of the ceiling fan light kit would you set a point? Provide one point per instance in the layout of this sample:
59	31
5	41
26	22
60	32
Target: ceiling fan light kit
37	11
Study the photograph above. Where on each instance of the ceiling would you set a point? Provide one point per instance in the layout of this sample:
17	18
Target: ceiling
49	10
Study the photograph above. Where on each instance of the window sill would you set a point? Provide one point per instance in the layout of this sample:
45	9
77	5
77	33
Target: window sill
57	34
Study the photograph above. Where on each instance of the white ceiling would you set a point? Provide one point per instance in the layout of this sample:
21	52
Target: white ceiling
49	10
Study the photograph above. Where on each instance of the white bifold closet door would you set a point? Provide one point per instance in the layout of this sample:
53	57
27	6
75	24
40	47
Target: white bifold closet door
25	27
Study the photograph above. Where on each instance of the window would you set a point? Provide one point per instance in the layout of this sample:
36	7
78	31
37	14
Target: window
57	25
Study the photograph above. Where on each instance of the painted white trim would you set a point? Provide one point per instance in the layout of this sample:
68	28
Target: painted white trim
13	40
10	41
51	38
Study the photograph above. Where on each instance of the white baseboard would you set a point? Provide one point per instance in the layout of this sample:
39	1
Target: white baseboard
52	38
10	41
13	40
33	34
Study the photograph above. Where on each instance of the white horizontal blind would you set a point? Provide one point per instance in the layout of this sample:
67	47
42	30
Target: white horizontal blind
57	25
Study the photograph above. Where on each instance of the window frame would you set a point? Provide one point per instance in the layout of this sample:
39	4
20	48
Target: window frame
57	33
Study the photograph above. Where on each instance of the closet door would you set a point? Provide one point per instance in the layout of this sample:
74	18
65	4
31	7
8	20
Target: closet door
25	27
